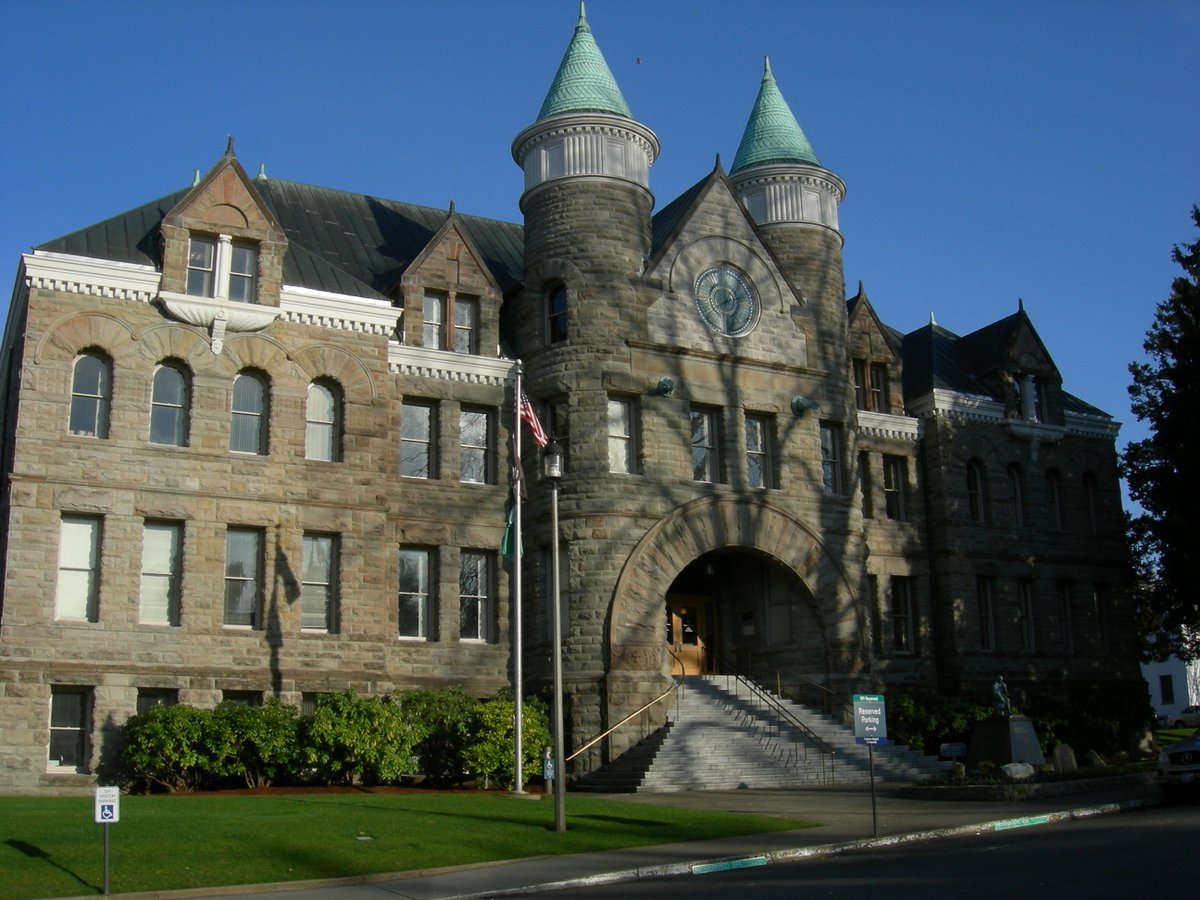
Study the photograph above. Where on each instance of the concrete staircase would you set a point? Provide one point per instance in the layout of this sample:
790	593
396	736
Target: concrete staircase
725	735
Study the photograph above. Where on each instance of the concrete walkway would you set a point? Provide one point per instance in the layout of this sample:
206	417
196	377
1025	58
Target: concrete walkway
846	823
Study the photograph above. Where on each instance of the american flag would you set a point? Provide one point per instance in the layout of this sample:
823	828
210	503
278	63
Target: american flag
529	417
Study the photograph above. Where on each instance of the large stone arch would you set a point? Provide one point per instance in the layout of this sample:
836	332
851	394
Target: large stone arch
635	621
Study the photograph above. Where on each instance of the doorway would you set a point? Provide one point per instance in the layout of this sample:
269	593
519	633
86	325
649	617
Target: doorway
688	637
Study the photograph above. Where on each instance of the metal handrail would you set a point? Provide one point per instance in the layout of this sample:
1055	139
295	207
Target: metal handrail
778	708
598	738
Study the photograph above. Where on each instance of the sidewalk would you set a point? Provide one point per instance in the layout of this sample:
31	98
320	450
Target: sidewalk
844	814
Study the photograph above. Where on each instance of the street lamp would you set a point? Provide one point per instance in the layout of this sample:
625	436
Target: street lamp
552	469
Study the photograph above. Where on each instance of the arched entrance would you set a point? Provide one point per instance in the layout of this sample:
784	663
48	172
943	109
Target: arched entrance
737	557
737	611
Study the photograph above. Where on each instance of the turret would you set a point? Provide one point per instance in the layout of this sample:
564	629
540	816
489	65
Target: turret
587	197
794	200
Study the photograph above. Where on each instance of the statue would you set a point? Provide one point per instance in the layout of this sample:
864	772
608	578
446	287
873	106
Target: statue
1000	701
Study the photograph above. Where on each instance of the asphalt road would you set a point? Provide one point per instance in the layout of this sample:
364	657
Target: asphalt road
1150	853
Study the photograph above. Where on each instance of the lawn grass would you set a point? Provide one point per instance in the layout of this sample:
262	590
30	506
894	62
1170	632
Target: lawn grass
51	847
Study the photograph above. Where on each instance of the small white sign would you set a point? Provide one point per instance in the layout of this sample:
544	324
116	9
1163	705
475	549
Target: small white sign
108	805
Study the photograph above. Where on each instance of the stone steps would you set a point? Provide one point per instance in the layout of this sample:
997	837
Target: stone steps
723	736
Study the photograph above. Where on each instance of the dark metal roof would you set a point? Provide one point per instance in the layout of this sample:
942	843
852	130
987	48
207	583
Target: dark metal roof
131	237
338	241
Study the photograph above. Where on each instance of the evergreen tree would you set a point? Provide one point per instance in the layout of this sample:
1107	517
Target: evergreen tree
1163	471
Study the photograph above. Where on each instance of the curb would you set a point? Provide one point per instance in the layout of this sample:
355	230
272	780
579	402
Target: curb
820	851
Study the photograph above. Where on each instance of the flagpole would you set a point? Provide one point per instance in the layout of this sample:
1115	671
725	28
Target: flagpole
518	689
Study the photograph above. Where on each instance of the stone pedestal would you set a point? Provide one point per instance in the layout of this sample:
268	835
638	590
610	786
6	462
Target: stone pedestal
1004	741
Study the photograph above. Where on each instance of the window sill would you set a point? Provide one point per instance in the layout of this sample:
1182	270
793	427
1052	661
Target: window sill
413	639
218	317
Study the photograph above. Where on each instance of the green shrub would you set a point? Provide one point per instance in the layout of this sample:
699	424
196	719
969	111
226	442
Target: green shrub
359	739
255	743
166	748
923	719
489	751
443	716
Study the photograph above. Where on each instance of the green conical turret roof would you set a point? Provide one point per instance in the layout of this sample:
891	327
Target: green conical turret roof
583	81
772	134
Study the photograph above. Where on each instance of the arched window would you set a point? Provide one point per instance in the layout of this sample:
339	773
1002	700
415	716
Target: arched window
91	394
1054	499
248	419
170	399
976	491
323	422
1016	495
556	315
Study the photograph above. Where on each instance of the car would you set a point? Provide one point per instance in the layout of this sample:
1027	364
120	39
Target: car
1179	766
1185	718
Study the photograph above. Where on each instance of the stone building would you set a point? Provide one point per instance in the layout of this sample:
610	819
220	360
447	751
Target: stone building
256	437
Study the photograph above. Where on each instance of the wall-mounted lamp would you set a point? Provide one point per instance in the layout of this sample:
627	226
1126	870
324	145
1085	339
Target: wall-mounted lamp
801	405
666	386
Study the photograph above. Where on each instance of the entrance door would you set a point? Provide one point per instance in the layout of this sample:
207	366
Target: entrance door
687	634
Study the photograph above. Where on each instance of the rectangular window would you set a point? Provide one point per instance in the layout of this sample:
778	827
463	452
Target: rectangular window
866	485
148	698
243	266
987	620
319	583
475	445
243	576
222	268
760	435
415	601
706	445
466	325
245	698
622	450
1025	614
903	615
895	479
878	398
1166	689
831	457
162	564
417	440
202	266
475	596
434	322
1066	636
861	394
70	724
78	592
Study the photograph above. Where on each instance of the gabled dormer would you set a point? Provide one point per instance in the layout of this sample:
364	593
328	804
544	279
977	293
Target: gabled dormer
451	299
222	255
876	367
1010	360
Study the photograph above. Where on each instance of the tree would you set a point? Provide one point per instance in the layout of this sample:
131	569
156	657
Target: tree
1163	471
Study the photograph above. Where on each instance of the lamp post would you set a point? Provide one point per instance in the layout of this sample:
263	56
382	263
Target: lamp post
552	468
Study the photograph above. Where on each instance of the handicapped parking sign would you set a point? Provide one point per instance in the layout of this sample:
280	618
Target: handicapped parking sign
108	805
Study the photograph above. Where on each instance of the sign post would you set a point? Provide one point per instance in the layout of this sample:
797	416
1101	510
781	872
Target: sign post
108	811
870	728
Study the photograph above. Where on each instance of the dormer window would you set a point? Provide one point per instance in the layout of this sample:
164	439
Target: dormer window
222	268
1031	397
871	386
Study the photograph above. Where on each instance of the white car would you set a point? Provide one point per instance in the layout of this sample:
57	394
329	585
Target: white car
1179	766
1185	718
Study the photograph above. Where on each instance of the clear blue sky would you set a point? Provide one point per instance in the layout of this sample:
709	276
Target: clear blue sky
1041	149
